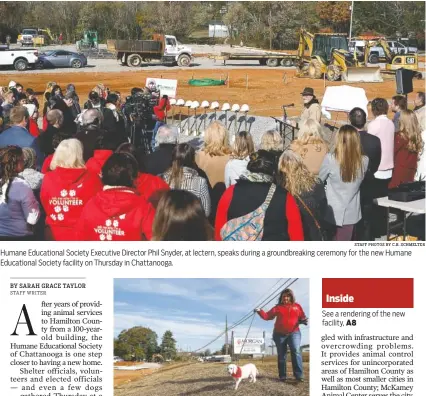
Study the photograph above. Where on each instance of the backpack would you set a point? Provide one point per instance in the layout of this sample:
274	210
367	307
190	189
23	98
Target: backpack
250	226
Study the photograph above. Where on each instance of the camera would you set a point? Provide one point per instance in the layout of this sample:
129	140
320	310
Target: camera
139	113
140	106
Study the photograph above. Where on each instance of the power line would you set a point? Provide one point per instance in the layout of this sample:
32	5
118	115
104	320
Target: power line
251	313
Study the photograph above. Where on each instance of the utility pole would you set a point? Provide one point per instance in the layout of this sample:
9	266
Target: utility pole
270	27
226	336
350	27
272	346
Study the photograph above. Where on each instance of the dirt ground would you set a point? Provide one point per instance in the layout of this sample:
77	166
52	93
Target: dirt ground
268	89
211	379
125	376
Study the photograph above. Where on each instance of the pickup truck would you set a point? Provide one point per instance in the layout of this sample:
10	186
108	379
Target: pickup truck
162	48
20	59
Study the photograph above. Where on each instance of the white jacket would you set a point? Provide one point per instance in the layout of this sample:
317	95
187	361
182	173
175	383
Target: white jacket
234	169
421	165
21	210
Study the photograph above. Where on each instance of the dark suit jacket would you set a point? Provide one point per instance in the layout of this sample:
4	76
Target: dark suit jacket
371	147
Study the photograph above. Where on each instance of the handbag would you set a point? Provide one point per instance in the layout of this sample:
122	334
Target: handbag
250	226
317	225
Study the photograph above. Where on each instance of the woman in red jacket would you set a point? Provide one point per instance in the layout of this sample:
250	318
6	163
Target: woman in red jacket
238	217
288	316
160	114
408	146
118	212
66	190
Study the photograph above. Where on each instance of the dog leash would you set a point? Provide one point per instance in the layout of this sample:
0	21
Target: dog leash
246	336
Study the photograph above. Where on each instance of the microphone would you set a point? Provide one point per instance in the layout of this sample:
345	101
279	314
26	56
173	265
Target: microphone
289	105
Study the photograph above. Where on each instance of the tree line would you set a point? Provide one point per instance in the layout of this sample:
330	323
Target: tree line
141	343
266	24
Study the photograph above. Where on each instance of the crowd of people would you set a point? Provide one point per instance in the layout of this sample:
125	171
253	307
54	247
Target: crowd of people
77	176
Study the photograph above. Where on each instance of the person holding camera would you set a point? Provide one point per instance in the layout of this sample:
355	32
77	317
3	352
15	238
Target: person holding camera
289	315
160	115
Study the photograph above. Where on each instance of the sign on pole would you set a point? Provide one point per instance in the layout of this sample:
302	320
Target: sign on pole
166	87
251	346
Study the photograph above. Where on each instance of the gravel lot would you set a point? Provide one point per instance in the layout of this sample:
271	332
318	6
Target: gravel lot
211	379
112	65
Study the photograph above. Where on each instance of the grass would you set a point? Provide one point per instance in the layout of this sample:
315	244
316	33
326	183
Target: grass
211	379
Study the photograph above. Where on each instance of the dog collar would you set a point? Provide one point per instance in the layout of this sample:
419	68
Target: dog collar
238	374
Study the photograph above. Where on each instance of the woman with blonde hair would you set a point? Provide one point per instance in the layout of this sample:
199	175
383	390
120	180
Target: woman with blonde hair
237	165
310	145
271	141
212	159
214	156
408	146
344	170
66	189
308	192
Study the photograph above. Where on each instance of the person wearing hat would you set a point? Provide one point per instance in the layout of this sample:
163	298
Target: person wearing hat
311	109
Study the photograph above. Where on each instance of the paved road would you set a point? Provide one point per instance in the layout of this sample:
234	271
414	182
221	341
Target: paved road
112	65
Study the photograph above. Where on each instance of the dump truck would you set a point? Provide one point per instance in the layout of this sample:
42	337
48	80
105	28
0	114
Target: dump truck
33	36
27	36
163	49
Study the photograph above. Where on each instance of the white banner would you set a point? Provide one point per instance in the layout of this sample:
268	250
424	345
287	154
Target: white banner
251	345
166	87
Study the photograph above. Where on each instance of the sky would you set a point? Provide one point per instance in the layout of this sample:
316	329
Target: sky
195	309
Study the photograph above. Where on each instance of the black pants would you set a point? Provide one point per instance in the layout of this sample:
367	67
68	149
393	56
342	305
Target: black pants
373	222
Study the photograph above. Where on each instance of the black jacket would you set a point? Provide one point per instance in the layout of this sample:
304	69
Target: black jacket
45	139
159	161
371	147
116	129
313	206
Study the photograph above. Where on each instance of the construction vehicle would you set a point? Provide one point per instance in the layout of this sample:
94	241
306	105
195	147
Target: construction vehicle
329	55
265	58
162	48
378	49
320	46
36	37
393	62
27	36
313	65
47	36
89	40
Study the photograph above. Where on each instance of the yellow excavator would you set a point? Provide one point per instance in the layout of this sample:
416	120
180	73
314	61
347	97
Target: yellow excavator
354	70
393	62
329	54
47	36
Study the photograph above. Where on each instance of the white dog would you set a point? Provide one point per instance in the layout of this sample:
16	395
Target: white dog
244	372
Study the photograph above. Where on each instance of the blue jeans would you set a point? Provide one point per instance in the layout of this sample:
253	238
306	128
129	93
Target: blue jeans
291	340
154	133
